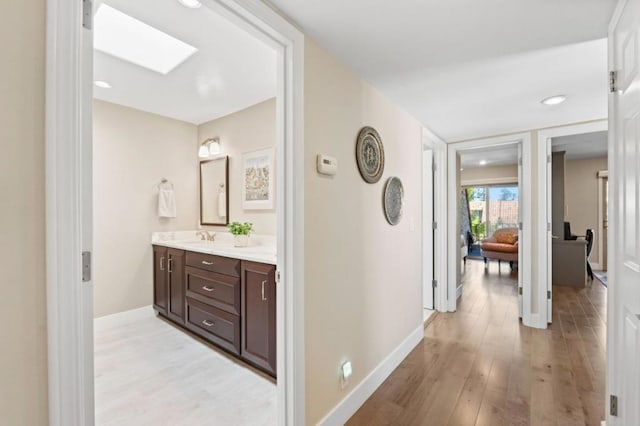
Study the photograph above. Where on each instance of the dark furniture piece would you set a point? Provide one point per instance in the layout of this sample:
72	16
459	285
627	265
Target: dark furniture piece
228	302
568	236
589	236
168	275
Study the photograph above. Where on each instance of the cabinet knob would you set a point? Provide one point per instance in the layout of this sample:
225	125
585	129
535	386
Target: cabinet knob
208	323
207	288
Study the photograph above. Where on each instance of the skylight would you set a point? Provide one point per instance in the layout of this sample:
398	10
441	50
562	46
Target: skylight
129	39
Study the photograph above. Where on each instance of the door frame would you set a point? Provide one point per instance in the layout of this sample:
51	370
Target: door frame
525	198
544	207
439	149
68	206
603	175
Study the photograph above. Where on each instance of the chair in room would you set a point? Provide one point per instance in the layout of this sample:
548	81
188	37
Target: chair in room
589	237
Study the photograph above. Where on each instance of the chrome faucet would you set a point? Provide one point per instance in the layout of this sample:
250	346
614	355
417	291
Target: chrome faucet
206	235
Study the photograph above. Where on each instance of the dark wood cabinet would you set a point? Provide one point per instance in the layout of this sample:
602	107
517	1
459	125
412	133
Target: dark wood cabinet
160	301
229	302
259	315
168	282
175	285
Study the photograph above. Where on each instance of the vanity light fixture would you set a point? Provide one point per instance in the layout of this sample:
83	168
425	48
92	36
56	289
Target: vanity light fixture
102	84
191	4
209	147
554	100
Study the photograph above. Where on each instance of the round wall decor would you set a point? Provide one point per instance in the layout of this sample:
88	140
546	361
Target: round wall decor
393	195
370	154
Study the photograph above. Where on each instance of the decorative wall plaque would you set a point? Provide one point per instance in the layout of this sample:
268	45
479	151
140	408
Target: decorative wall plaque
393	195
370	154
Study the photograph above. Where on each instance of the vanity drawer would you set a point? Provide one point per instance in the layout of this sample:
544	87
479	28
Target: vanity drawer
218	290
219	327
209	262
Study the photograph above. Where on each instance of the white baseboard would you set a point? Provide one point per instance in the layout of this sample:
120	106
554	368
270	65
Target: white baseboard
122	318
358	396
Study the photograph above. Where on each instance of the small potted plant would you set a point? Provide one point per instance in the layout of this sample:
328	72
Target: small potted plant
241	232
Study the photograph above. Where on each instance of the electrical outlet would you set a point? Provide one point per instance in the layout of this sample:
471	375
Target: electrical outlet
346	371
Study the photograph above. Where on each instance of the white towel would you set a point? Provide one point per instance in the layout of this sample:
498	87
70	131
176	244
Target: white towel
222	204
166	203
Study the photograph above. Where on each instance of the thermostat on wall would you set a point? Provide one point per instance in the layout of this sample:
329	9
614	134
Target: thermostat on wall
327	165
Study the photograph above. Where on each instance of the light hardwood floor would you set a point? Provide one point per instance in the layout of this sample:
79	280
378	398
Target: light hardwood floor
148	372
480	366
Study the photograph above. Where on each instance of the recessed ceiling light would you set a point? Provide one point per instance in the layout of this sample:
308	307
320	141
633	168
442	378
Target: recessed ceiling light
102	84
129	39
554	100
192	4
483	162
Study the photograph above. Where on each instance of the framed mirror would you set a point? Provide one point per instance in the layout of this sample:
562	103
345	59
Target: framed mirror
214	191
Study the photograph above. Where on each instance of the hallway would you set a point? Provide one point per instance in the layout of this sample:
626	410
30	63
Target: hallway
480	366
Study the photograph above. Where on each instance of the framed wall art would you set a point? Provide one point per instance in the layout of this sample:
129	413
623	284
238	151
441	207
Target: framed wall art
258	188
370	155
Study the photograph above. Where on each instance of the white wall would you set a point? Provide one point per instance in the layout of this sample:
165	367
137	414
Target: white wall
247	130
23	357
133	150
362	276
581	197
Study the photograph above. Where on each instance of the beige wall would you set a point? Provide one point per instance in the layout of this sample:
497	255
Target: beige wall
248	130
23	357
581	197
487	175
133	150
362	276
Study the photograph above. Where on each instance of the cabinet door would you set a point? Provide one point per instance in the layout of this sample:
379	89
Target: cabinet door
259	315
160	279
175	297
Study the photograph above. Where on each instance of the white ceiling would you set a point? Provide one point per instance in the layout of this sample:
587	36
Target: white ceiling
230	71
586	145
498	156
470	68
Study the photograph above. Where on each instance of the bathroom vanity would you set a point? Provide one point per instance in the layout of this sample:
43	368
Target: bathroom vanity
224	294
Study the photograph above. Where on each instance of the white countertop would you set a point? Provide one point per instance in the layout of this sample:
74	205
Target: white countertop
262	248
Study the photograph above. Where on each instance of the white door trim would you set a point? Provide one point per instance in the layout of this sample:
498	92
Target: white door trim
544	203
68	79
525	198
439	148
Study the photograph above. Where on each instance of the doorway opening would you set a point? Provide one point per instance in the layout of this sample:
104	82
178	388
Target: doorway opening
489	188
69	176
184	137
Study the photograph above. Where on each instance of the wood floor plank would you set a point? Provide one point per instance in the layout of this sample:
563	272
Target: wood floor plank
480	366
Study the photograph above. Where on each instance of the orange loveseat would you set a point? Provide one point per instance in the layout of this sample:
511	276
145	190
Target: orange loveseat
502	245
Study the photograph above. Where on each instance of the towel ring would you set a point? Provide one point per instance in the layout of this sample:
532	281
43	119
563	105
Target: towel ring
164	182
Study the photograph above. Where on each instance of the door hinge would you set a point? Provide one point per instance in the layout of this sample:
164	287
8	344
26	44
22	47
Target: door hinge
548	294
549	159
548	226
520	291
613	79
434	225
520	226
520	161
87	14
86	266
434	283
277	276
613	405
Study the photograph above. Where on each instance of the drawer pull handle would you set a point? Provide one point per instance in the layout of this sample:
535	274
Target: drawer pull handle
207	288
170	264
208	323
162	263
264	299
204	262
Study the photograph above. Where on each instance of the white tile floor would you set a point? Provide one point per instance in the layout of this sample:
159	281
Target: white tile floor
148	372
